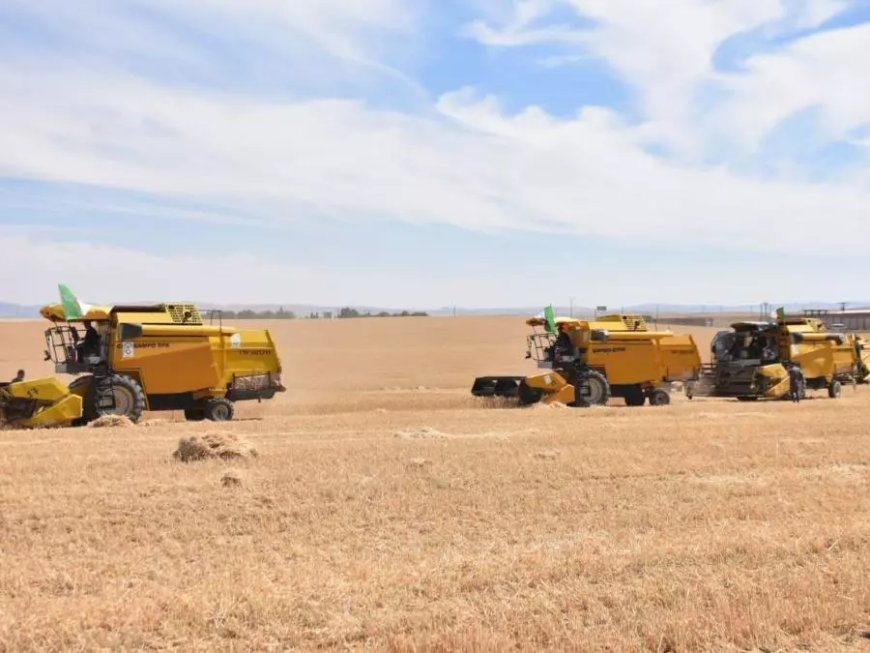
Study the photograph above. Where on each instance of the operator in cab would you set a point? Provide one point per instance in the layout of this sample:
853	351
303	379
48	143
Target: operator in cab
563	349
90	345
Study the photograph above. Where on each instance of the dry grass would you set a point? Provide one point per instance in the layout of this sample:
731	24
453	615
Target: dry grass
112	421
225	446
704	525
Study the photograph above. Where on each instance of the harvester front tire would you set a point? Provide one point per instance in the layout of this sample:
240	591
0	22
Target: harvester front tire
835	390
659	397
219	410
129	398
599	389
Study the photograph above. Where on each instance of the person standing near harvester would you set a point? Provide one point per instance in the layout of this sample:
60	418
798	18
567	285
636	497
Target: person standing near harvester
796	383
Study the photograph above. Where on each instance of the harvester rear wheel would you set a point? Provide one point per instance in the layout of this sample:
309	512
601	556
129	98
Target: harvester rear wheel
219	410
835	390
659	397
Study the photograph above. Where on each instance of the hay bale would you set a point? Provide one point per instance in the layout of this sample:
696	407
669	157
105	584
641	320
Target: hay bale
112	421
226	446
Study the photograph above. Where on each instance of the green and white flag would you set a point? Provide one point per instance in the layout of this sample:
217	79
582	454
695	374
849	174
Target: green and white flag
780	313
72	307
550	317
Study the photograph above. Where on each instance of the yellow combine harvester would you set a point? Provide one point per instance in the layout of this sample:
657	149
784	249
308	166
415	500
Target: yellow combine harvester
613	356
129	359
751	360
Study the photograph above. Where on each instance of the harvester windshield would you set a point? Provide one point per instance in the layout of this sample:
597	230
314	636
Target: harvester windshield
541	342
72	350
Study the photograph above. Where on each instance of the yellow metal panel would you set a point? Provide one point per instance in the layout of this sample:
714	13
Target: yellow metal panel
626	362
168	364
47	389
62	413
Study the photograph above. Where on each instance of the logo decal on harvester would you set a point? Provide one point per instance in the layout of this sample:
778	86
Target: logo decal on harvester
236	341
128	350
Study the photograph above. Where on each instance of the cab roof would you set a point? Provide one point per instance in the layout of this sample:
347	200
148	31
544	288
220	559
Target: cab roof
753	326
57	313
541	321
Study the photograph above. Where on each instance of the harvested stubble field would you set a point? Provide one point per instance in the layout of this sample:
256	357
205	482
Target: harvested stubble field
389	510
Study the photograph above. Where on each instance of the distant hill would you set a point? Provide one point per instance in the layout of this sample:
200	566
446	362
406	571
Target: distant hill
10	310
18	310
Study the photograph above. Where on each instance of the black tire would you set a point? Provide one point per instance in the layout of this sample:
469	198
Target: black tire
634	396
195	414
659	397
599	389
129	399
528	395
219	410
835	390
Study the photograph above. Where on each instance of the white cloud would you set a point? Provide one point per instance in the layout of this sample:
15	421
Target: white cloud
101	273
290	43
666	51
477	167
465	161
826	71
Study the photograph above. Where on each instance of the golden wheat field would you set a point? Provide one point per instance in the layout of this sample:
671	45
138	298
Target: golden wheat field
389	510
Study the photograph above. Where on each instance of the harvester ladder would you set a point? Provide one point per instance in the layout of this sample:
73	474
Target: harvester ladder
104	396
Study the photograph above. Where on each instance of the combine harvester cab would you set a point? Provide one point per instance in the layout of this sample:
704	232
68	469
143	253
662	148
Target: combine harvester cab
751	361
129	359
613	356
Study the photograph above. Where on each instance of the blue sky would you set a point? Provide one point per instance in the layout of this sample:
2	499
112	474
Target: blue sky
421	153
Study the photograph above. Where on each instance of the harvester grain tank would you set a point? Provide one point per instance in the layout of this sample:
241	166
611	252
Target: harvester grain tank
129	359
751	360
612	356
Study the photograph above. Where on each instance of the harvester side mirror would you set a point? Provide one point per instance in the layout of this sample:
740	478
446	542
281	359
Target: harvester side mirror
130	331
47	356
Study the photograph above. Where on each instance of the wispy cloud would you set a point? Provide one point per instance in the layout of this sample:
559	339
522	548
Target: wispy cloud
275	112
